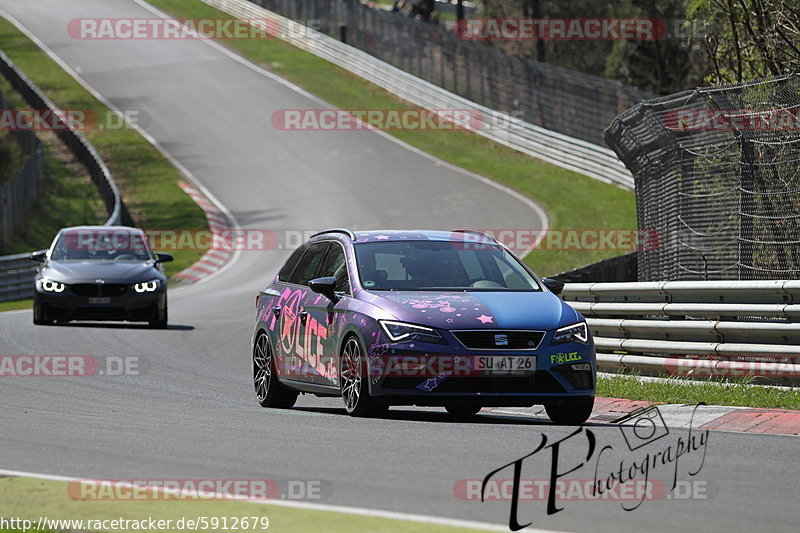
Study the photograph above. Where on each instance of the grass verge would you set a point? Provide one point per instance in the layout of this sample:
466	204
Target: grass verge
16	305
147	180
33	498
732	392
573	201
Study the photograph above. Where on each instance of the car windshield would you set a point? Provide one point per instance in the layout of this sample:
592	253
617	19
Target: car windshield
440	266
101	245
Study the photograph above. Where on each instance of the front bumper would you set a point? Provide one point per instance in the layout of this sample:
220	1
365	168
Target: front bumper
129	306
561	371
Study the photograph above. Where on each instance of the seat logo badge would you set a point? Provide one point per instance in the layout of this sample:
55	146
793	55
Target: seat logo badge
501	340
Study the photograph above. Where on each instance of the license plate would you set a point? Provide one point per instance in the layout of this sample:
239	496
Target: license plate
505	364
100	300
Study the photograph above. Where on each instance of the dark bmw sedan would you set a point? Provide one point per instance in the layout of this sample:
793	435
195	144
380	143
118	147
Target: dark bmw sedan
100	273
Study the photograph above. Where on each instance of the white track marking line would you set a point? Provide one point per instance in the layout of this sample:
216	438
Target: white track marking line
360	511
540	212
177	164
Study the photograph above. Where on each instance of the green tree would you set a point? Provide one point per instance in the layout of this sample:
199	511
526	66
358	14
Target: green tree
750	38
667	64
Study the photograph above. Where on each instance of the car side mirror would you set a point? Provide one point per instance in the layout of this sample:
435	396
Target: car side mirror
164	258
39	257
554	285
325	286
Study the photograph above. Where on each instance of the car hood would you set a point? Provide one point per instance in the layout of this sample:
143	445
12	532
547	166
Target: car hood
477	310
108	271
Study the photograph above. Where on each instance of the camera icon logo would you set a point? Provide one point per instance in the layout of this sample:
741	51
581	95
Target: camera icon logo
643	428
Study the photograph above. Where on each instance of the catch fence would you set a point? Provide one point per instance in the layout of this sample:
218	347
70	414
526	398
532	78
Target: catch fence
717	174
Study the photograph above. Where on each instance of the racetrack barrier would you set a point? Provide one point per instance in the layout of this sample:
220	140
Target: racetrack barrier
16	277
695	329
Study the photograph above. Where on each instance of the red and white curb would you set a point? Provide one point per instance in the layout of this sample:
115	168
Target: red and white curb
218	255
712	417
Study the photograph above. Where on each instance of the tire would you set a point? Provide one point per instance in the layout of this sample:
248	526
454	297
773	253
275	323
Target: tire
160	322
355	382
463	411
39	315
571	411
269	391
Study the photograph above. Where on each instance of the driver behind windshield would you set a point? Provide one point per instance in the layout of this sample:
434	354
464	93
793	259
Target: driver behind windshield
87	245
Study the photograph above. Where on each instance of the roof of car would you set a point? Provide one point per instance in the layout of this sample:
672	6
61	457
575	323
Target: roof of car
101	228
423	235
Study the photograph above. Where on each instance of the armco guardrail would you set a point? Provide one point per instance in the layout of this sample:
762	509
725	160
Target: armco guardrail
16	277
580	156
694	329
12	274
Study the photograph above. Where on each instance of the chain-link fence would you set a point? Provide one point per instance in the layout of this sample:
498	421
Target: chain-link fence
20	192
575	104
717	174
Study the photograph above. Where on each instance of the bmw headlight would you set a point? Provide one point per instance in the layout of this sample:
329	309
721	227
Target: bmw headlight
52	286
401	331
147	286
574	333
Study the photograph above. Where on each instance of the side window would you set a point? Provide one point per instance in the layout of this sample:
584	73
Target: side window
307	266
335	265
288	267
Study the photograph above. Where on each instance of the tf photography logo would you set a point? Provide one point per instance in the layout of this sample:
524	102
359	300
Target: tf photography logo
626	470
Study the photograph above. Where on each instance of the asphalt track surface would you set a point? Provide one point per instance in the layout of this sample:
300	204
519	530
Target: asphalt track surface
192	413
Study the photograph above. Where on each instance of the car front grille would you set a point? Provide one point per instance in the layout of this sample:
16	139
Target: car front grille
113	289
85	289
99	289
498	339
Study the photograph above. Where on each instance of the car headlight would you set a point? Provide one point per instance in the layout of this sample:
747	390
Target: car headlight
574	333
401	331
52	286
147	286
